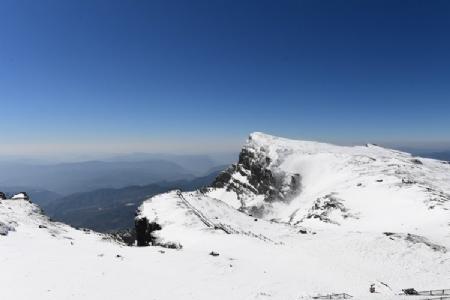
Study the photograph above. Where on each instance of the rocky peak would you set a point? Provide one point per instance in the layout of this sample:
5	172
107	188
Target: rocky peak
257	180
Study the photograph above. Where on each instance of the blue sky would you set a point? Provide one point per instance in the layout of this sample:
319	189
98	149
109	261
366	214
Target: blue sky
199	76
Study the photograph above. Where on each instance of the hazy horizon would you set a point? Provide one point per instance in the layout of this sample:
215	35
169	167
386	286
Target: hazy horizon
198	77
88	152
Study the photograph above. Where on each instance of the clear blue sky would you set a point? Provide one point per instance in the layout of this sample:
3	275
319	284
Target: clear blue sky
160	73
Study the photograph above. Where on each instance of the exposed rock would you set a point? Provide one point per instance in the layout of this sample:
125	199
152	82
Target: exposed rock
324	206
407	181
256	174
5	229
416	239
410	292
169	245
2	196
416	161
144	230
127	236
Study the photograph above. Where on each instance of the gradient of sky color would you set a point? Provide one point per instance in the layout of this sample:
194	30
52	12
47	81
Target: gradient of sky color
138	75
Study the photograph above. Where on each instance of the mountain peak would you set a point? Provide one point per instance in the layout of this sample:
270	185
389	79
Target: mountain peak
317	184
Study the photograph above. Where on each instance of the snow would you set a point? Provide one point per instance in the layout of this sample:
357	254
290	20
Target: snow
352	174
240	177
226	196
258	258
19	196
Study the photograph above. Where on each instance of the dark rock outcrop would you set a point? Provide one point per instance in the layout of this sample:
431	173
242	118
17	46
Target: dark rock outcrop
144	230
416	161
256	174
5	228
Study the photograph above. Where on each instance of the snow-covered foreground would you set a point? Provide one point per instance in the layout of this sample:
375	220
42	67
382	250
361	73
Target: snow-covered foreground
351	217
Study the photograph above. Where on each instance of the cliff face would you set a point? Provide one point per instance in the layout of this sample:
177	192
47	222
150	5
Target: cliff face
257	180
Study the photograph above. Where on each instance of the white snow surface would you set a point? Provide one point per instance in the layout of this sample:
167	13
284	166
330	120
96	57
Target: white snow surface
19	196
358	193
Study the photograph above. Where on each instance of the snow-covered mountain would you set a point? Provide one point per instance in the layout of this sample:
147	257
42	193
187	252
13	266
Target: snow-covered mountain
291	220
364	187
322	218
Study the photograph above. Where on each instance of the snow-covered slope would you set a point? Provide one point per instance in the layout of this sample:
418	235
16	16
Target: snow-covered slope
334	218
365	188
291	220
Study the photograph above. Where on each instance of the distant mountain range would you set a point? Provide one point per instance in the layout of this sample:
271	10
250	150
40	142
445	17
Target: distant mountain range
104	194
436	154
110	172
197	165
443	155
40	196
113	209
